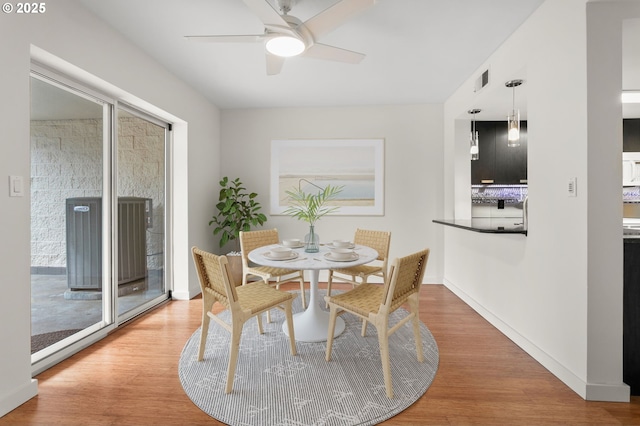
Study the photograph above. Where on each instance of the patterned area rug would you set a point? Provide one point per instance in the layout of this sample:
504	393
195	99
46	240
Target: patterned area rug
272	387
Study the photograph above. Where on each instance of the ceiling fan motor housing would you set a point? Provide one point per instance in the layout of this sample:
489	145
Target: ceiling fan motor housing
285	5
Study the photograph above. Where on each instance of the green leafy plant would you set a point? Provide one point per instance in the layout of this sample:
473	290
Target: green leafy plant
311	207
237	211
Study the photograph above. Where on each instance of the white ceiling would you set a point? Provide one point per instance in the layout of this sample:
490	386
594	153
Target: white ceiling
418	51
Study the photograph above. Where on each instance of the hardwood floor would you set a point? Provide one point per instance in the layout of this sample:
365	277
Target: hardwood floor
131	377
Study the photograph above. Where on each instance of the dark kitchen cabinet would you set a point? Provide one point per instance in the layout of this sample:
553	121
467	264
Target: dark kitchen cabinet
483	169
498	163
631	135
631	315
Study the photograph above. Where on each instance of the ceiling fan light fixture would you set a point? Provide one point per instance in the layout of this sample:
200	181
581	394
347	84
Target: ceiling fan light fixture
285	46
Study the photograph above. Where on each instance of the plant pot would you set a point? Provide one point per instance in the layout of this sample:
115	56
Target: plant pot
235	267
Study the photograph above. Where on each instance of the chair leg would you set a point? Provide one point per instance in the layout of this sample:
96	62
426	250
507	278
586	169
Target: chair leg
266	281
329	281
364	321
236	333
383	341
207	304
288	311
353	281
259	319
269	311
332	328
414	307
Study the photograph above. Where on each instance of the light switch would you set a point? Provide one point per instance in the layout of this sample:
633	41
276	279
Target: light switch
16	186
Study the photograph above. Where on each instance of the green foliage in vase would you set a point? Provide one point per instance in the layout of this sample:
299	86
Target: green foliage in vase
311	207
237	211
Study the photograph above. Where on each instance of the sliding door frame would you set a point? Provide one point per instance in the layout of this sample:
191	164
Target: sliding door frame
48	357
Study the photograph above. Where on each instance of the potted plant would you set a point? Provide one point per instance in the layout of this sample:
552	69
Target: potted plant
310	208
238	211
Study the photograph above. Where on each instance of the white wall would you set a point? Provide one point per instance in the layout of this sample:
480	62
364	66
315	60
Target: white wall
558	291
412	175
70	37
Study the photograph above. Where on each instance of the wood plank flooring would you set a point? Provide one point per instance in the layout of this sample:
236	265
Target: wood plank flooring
131	377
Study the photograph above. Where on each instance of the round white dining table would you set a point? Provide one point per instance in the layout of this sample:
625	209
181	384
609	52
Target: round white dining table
312	325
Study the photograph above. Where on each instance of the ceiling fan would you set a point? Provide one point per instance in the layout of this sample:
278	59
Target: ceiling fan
286	36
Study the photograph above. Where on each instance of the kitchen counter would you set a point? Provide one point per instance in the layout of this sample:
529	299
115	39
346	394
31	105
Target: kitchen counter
509	225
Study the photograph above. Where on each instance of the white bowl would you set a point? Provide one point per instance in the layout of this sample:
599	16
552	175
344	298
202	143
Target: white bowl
280	252
293	242
341	253
341	243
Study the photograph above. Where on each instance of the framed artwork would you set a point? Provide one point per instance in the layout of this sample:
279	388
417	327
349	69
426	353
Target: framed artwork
355	164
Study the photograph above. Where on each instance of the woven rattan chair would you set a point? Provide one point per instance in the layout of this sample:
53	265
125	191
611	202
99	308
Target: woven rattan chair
374	303
254	239
243	302
377	240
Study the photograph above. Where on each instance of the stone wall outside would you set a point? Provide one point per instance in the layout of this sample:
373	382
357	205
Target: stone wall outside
67	161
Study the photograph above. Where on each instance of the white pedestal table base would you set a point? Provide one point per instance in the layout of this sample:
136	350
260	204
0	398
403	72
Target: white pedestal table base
312	325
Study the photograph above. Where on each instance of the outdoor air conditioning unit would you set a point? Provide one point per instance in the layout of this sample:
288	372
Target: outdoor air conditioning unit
84	241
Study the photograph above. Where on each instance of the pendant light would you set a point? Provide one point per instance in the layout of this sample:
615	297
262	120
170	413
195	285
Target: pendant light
513	119
473	140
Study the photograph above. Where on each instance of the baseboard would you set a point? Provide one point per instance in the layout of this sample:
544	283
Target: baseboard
18	397
588	391
610	393
48	270
183	295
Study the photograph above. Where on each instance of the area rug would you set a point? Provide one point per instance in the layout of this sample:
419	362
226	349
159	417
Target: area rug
272	387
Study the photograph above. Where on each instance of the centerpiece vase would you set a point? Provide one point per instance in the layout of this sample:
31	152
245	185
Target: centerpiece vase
312	241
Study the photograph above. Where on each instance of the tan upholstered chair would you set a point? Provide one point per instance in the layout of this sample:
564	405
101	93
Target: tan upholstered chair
254	239
243	302
374	303
377	240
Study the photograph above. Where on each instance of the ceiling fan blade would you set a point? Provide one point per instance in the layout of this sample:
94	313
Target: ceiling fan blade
332	17
332	53
249	38
267	14
274	64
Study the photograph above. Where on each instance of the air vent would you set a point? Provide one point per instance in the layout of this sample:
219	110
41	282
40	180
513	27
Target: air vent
481	81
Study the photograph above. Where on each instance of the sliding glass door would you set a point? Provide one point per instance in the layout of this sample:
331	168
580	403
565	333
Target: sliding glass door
141	155
98	196
69	139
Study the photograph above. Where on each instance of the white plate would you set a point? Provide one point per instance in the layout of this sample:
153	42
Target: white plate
354	256
350	246
292	247
268	255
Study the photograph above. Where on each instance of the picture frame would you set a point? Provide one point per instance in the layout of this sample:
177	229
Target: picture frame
311	164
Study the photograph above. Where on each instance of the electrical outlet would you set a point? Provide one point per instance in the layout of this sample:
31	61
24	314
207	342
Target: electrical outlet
572	187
